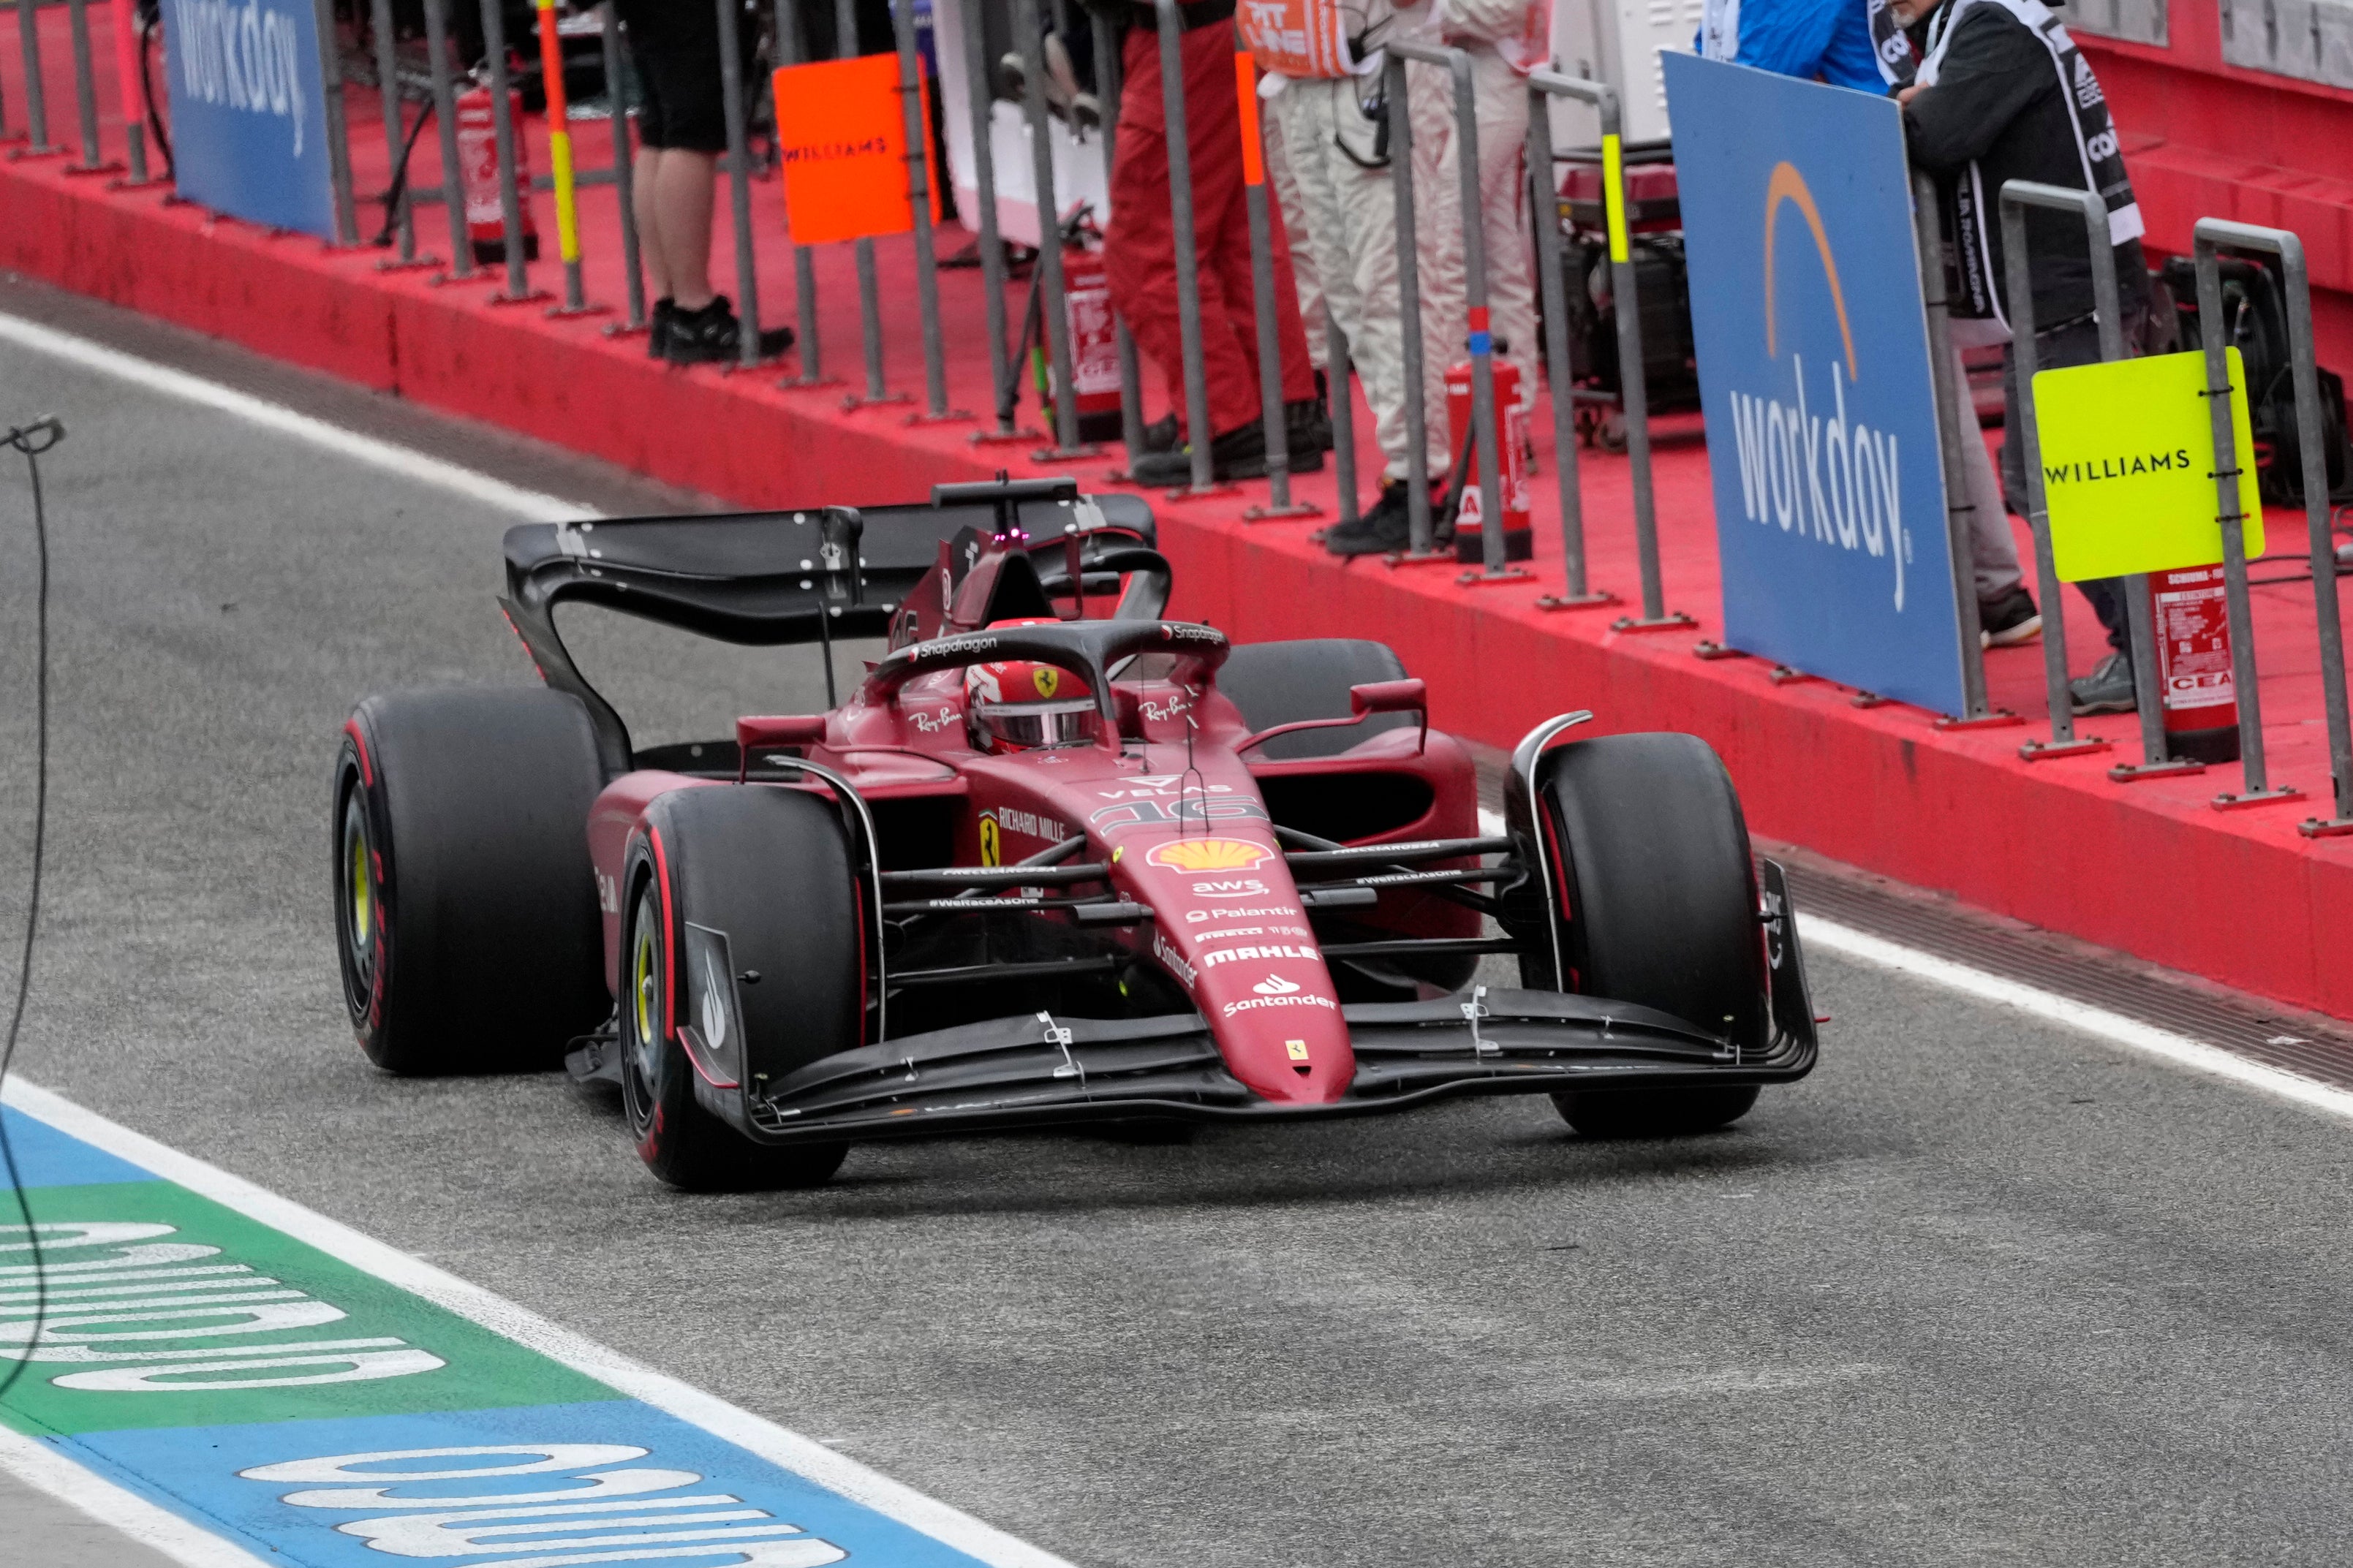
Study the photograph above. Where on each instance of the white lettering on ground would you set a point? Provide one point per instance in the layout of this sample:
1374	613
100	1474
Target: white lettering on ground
88	1313
1826	480
560	1518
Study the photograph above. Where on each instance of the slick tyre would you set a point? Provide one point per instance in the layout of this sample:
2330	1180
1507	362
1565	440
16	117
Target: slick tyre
466	913
771	869
1660	897
1283	682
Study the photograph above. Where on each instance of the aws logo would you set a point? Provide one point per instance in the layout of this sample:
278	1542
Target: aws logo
1816	475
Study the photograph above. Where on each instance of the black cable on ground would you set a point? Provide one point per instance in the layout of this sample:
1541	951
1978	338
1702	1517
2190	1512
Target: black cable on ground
399	185
32	439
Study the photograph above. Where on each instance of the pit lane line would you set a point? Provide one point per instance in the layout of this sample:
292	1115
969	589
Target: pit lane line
44	1467
539	506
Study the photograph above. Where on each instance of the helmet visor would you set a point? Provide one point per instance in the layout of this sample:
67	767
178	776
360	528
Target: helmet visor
1071	722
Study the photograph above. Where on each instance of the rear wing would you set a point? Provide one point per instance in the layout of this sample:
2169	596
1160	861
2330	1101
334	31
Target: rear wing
761	579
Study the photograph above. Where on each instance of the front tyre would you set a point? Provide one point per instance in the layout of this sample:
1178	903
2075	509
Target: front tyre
1659	895
769	869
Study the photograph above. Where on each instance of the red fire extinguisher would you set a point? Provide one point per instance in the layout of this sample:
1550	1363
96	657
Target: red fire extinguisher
477	176
1511	473
2192	621
1095	344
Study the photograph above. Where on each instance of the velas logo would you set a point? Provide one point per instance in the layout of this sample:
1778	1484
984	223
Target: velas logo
1208	855
1814	474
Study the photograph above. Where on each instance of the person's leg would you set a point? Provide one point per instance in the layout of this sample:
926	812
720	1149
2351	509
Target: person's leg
1502	109
1140	248
1291	220
645	182
2077	344
685	184
1222	235
1438	251
1993	550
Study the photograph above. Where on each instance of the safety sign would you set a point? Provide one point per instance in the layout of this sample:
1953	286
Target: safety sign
2128	465
290	1399
842	132
1812	340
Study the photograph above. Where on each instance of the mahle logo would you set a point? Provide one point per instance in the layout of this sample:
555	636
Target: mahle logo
1817	476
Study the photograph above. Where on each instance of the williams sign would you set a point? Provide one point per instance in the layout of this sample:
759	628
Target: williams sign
1813	362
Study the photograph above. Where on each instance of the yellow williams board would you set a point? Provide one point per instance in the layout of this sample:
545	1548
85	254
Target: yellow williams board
2128	465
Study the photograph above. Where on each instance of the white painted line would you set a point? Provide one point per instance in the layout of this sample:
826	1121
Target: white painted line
794	1452
1828	936
131	1516
531	505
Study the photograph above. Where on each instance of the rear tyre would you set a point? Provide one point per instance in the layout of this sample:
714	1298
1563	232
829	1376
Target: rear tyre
771	869
1660	901
466	919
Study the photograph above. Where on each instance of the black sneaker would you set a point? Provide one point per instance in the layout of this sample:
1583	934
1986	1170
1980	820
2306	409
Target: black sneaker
1306	427
1383	530
712	335
2008	620
1237	454
658	329
1162	435
2107	690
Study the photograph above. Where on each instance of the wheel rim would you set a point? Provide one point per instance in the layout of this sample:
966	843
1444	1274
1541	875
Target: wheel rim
642	1018
357	927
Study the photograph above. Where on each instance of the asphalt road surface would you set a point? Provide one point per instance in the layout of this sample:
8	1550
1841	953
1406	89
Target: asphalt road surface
1983	1289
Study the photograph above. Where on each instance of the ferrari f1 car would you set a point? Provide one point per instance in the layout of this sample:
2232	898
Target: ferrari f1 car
1058	859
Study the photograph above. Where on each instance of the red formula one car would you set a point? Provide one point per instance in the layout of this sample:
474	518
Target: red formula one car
1056	859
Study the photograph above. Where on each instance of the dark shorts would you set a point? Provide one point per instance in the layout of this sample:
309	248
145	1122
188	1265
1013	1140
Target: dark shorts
674	44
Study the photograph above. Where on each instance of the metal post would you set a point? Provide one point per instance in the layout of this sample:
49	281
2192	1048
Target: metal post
2211	236
445	120
37	107
624	168
739	183
1109	73
1188	261
869	285
494	52
919	203
1417	426
1578	593
387	82
1052	300
129	84
1957	505
1342	407
559	158
790	51
1486	428
2017	195
1279	503
339	145
85	90
1634	394
979	97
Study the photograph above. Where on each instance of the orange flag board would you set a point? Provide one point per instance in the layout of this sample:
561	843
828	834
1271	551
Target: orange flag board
843	138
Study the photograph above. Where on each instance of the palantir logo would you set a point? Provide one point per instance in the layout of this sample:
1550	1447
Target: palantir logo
246	57
1818	476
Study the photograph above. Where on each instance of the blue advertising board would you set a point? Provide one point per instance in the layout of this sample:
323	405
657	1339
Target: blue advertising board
1813	366
248	112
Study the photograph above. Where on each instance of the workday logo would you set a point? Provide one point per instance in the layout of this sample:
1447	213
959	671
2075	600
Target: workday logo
248	58
1806	468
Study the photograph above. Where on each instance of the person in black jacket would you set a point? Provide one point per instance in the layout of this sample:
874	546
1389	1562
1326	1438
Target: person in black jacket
2001	93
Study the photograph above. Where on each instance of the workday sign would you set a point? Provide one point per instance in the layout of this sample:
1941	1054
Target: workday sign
1813	362
248	112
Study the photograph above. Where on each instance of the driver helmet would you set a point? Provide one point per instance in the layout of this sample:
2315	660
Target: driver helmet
1020	704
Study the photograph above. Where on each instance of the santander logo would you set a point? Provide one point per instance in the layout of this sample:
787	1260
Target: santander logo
1274	985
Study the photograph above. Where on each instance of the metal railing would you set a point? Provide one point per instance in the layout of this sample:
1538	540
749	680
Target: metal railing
1959	509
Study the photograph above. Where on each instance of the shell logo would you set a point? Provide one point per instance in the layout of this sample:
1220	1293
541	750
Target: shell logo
1210	855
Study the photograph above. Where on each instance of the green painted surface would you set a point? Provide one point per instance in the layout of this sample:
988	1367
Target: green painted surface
112	1301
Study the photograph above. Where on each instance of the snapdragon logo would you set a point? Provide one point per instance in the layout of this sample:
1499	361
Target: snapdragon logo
1805	467
248	57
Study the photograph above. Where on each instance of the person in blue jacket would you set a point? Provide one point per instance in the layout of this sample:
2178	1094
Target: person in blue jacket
1825	40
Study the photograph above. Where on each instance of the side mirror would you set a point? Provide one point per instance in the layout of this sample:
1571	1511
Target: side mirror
774	730
1409	696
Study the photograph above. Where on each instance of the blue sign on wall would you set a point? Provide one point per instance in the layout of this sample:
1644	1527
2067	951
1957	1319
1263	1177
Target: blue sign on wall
1813	368
249	114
